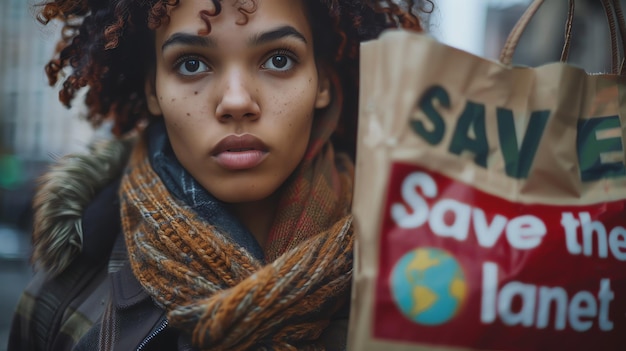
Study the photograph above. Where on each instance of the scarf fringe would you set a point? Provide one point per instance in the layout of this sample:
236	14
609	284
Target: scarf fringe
274	302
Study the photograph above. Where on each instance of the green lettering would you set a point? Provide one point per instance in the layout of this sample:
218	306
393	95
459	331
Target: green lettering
518	161
426	104
590	148
472	117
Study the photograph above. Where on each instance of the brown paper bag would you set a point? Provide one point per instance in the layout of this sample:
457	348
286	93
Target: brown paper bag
489	203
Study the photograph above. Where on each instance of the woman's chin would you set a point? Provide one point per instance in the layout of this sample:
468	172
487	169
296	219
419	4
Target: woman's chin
243	194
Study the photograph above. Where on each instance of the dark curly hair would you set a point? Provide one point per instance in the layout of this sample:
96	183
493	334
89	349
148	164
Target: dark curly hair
109	47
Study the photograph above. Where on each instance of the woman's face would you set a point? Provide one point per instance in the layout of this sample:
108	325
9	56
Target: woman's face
238	103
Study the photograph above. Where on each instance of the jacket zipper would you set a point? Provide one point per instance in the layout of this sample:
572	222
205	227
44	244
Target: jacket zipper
152	335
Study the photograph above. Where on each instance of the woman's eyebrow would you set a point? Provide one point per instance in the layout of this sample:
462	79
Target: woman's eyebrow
188	39
274	34
259	39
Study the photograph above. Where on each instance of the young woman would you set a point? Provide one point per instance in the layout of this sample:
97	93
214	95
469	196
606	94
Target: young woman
219	218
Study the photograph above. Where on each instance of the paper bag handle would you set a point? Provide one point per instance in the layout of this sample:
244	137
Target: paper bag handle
610	6
617	8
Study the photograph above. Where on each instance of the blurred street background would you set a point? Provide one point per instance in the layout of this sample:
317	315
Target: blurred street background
35	129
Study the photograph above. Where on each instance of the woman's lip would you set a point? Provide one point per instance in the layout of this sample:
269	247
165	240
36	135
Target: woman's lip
239	143
240	160
238	152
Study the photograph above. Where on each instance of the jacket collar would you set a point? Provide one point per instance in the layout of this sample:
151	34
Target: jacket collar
63	196
127	291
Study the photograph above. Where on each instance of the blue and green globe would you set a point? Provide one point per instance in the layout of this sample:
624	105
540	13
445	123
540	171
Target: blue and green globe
428	286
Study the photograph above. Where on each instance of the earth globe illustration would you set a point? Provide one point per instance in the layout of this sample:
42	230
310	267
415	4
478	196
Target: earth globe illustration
428	286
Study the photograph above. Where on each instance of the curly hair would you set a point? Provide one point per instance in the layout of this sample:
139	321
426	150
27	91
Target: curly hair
108	46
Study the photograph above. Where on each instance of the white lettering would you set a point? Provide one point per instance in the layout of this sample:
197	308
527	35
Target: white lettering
548	295
583	304
460	213
419	207
525	232
528	305
605	296
525	315
615	241
589	227
571	230
487	234
451	218
490	291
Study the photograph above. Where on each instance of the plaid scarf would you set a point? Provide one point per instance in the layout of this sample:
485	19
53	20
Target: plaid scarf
216	290
184	187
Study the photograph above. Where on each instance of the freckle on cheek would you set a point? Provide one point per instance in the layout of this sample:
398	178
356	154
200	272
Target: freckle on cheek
195	93
173	99
188	114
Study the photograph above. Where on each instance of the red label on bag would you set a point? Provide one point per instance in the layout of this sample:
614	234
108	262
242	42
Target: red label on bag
460	267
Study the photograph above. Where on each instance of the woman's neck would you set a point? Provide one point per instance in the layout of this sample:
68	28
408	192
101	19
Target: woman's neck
257	216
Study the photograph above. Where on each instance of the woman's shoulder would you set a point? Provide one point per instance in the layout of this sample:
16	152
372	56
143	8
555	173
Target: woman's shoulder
76	205
76	224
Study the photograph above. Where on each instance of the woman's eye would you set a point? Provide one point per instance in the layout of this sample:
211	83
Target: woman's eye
279	62
191	66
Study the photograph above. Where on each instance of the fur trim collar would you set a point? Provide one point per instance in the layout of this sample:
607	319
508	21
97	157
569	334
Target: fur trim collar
64	192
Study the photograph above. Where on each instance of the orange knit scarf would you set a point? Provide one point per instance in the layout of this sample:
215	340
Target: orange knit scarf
216	291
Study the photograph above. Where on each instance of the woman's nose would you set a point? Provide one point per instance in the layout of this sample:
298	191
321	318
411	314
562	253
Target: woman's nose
237	100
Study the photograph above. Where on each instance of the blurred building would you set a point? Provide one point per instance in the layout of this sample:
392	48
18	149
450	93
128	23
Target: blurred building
542	42
482	26
34	128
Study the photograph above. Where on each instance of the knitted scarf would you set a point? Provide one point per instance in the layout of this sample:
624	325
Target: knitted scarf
219	293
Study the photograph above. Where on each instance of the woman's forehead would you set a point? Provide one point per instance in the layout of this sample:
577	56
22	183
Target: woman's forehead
200	15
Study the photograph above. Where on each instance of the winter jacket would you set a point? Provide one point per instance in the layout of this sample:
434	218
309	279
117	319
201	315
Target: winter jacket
65	313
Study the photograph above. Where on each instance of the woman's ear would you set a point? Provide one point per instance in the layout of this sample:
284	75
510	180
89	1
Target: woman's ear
324	88
151	96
